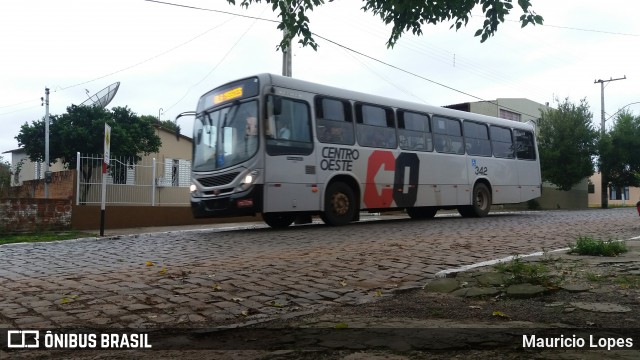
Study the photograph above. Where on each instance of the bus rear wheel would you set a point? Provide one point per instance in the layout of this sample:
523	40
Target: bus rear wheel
481	202
339	204
425	212
278	220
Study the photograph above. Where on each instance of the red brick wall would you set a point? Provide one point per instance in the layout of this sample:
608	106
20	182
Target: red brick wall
62	186
28	215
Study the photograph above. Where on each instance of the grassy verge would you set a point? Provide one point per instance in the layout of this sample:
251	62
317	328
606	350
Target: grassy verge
521	272
43	236
586	245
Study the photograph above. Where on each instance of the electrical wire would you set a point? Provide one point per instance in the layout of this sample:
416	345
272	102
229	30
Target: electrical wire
275	21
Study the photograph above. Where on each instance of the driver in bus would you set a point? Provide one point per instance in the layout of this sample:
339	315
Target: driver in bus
283	132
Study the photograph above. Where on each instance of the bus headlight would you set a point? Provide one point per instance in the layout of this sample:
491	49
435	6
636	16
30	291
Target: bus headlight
193	188
249	179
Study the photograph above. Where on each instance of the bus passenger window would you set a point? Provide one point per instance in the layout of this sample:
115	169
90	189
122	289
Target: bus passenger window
524	145
448	135
333	121
501	142
414	131
375	126
477	139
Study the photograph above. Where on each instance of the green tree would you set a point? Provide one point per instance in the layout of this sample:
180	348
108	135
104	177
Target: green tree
405	15
81	129
619	161
567	142
167	124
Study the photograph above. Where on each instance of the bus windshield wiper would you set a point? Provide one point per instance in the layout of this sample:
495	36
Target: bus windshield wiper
231	114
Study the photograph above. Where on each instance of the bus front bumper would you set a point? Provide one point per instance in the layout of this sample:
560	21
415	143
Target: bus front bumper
246	203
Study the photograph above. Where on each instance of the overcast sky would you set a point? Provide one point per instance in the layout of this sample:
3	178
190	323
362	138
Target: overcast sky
165	57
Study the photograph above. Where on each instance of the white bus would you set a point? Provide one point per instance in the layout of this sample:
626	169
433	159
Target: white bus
287	148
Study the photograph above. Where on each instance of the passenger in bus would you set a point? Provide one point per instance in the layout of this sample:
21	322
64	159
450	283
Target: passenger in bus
251	133
332	134
378	138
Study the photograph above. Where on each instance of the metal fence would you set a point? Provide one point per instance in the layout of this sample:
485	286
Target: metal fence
148	182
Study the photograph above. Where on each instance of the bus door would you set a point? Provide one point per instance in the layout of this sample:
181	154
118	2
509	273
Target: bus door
290	160
528	165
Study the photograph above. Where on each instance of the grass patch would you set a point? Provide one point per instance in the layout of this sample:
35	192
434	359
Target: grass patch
522	272
586	245
628	281
593	277
43	236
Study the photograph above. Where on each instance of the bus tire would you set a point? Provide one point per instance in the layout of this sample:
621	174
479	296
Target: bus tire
480	201
425	212
340	205
278	220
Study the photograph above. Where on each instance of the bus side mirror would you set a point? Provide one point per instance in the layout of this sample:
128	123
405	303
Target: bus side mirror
277	105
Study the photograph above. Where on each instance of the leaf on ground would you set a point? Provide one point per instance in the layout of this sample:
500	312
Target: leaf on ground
245	313
237	299
163	271
149	263
216	287
343	283
342	326
500	314
275	304
65	301
378	293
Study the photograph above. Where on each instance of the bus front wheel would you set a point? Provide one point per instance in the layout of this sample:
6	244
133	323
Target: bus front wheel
481	202
278	220
339	204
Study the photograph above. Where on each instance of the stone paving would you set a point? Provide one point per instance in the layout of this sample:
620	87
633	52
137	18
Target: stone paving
215	277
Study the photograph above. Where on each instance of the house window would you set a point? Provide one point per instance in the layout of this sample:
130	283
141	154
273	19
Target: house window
509	115
177	172
618	193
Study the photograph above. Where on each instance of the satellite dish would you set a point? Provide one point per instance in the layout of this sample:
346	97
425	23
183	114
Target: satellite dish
103	97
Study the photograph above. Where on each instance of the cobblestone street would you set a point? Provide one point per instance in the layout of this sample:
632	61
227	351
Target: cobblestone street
225	276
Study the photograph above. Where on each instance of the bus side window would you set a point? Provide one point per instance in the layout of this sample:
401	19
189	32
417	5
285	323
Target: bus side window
447	135
333	121
524	145
501	142
477	139
375	126
295	118
414	131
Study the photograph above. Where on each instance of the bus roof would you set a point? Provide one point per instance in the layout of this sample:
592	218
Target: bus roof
267	79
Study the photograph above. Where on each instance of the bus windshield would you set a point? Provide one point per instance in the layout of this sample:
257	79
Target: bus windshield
225	136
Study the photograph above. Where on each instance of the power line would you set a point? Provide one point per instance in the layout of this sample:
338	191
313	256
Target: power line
273	21
216	66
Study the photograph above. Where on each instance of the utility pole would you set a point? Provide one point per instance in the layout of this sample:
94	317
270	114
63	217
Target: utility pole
286	58
604	179
47	175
